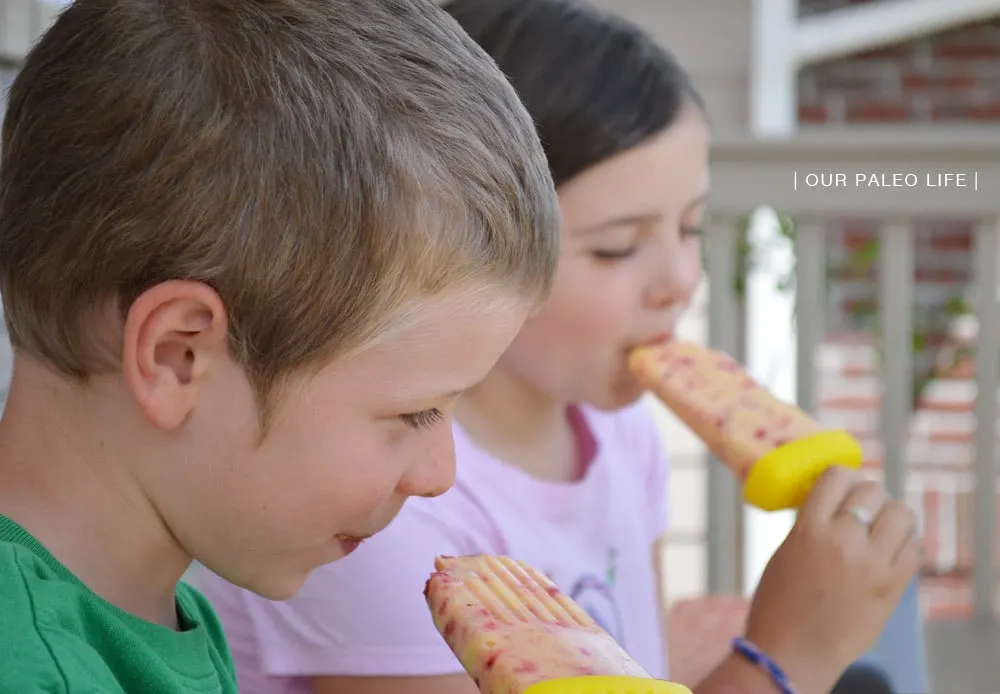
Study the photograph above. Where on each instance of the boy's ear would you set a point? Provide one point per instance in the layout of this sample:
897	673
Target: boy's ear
174	332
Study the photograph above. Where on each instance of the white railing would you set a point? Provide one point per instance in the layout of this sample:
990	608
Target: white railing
770	349
916	176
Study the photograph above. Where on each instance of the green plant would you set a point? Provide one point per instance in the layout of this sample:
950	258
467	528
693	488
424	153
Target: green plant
744	255
861	265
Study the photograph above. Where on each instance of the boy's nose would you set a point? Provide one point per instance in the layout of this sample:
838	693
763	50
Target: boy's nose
432	471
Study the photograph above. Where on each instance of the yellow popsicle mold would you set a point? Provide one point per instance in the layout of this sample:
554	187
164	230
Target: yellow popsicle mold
782	478
606	685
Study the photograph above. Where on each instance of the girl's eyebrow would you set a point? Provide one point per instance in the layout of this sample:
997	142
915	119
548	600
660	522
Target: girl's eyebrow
638	218
623	221
697	202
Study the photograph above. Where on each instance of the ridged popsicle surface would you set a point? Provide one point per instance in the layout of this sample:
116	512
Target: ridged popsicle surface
737	419
511	627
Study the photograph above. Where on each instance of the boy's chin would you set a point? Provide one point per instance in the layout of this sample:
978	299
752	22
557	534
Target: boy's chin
277	585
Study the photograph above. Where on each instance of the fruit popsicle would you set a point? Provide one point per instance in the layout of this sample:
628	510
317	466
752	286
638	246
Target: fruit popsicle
774	448
515	632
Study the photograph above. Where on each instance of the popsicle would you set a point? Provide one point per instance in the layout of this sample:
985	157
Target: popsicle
774	448
515	632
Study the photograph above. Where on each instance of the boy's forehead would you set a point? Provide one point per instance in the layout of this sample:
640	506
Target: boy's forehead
446	345
441	319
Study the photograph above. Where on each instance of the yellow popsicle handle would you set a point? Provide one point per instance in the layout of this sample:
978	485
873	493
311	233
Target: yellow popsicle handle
782	478
606	685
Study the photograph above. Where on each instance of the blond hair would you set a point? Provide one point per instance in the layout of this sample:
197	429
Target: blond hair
316	162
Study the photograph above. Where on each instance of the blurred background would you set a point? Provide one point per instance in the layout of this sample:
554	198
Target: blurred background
873	305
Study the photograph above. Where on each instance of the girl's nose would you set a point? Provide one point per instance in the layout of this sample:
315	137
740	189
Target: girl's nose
675	280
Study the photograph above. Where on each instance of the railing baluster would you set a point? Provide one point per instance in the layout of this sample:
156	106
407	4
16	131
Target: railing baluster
723	570
896	311
810	307
987	357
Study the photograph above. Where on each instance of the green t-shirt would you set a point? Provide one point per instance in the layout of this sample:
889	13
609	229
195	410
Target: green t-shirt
59	637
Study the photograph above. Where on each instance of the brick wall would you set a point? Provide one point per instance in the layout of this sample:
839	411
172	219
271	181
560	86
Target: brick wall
948	79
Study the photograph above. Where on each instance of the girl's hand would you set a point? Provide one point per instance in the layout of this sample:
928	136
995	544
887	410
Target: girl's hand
828	591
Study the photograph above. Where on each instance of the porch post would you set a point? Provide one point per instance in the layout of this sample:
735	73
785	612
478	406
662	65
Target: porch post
773	114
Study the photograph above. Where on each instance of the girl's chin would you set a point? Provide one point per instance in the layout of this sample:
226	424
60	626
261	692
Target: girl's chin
623	394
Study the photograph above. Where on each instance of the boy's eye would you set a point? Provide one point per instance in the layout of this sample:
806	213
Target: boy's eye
616	254
423	420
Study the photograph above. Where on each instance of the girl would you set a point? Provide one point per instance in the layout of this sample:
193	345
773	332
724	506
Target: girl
559	463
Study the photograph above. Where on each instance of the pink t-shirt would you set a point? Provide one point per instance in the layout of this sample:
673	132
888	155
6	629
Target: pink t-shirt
366	615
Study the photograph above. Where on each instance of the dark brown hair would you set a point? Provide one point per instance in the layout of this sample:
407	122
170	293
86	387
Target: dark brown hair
595	83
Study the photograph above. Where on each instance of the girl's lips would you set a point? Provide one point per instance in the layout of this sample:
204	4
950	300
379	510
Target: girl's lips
655	340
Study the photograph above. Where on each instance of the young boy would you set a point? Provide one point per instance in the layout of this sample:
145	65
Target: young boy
250	253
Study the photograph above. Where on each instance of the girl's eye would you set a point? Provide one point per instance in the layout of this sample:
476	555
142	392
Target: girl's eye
609	254
423	420
692	232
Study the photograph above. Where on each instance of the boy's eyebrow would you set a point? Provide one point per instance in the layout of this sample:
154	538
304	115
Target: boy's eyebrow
450	394
430	396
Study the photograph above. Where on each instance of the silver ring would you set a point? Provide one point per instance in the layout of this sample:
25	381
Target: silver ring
862	515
